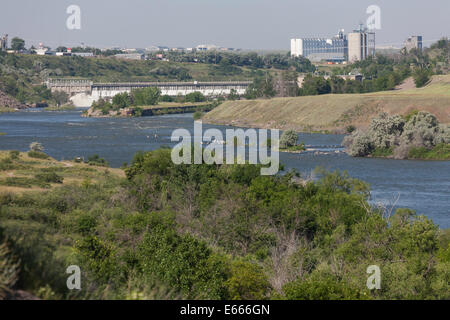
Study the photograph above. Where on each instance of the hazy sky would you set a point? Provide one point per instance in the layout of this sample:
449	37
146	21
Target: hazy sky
248	24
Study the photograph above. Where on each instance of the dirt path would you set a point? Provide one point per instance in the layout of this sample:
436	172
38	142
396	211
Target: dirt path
406	85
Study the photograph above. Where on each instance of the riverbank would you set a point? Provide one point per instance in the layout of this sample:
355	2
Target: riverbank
145	111
333	113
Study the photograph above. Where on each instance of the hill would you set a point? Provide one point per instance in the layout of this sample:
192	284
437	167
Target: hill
21	173
334	112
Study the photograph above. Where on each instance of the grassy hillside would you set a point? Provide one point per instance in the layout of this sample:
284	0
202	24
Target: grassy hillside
334	112
22	173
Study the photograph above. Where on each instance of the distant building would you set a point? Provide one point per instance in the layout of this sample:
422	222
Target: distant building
413	42
206	47
83	54
130	56
317	49
4	43
152	49
361	45
43	52
355	77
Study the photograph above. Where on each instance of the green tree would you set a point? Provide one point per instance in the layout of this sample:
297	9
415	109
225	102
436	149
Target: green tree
60	97
421	77
17	44
288	139
247	282
195	97
146	96
121	100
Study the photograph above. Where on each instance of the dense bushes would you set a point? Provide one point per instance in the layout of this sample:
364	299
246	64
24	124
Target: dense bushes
400	137
9	269
221	232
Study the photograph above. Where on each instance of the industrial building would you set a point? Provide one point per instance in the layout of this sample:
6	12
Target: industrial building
4	43
357	46
130	56
413	42
361	45
317	49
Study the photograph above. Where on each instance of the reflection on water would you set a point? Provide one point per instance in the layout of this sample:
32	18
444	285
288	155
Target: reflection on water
420	185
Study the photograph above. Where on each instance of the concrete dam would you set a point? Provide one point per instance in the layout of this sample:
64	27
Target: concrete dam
83	92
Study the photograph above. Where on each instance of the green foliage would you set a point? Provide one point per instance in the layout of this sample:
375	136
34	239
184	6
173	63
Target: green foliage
219	232
383	152
99	256
95	160
166	98
288	139
185	263
146	96
247	282
9	269
421	77
320	287
38	155
198	115
314	86
49	177
17	44
417	135
438	152
195	97
261	88
121	100
350	129
60	97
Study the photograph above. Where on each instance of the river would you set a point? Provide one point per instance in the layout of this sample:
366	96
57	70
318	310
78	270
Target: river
420	185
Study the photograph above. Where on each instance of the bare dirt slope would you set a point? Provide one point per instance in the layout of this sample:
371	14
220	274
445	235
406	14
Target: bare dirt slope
7	101
334	112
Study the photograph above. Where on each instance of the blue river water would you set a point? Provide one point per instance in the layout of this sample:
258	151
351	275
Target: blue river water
420	185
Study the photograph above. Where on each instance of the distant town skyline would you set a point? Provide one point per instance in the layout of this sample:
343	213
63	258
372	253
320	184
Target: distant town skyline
246	24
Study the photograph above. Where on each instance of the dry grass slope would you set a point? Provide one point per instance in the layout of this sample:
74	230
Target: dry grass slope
72	172
334	112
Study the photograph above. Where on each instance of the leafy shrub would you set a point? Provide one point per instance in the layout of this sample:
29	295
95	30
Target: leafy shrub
9	270
198	115
359	144
38	155
14	155
183	262
7	164
320	287
394	135
145	96
247	282
421	77
21	182
86	224
350	128
288	139
49	177
195	97
98	256
95	160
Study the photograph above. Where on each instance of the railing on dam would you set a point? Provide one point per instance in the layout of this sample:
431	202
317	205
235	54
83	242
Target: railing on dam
172	84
